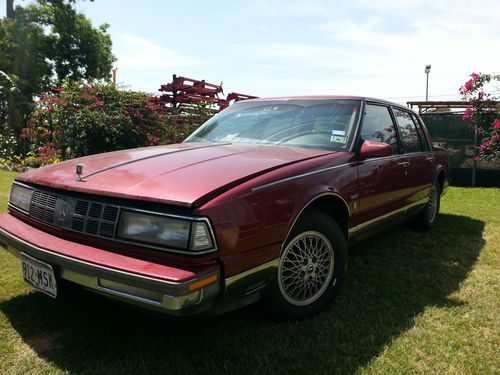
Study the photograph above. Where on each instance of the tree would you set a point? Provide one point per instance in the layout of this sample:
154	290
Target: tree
10	8
45	43
484	112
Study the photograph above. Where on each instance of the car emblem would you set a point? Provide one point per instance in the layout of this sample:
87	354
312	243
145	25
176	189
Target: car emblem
62	211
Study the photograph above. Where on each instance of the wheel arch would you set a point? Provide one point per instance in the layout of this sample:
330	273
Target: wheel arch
332	204
440	179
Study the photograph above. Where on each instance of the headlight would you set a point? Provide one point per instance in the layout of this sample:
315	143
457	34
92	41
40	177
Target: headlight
165	231
20	197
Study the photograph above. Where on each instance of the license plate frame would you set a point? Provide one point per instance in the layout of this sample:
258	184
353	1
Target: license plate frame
39	274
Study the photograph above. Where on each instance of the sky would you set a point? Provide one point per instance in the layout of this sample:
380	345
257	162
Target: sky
375	48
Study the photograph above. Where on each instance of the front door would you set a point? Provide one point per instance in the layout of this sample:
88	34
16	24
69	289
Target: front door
382	185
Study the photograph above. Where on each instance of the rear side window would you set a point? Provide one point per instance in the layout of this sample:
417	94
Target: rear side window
410	141
378	126
421	134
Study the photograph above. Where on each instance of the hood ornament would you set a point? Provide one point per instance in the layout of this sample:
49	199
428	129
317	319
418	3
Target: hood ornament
79	171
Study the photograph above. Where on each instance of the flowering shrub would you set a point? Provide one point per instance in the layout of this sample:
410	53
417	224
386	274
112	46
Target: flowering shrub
78	119
484	112
8	146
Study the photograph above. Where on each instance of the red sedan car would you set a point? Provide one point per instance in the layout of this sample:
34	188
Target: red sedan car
259	203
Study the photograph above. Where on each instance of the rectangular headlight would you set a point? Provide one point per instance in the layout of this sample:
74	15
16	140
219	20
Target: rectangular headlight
154	229
20	197
184	234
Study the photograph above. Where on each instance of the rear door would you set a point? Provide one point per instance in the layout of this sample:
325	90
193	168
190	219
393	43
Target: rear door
417	150
382	182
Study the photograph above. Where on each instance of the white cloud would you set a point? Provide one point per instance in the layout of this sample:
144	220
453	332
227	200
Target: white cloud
383	50
135	52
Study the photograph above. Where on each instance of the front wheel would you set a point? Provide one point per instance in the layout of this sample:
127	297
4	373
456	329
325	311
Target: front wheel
311	268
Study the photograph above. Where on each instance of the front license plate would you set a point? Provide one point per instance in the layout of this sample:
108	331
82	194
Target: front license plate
39	275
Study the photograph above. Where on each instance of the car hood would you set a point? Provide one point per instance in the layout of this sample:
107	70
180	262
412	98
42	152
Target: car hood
178	174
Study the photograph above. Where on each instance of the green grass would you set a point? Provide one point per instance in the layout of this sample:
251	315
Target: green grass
423	303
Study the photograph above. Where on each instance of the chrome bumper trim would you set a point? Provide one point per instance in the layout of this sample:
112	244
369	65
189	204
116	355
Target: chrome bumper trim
174	296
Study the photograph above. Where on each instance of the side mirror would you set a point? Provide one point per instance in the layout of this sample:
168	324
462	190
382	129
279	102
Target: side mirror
373	149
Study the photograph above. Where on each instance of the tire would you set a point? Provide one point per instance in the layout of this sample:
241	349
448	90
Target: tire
427	218
311	270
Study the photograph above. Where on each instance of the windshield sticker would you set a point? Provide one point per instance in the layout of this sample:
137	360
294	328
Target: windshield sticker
338	139
338	132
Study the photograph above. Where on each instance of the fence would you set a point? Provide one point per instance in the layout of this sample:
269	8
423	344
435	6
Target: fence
449	130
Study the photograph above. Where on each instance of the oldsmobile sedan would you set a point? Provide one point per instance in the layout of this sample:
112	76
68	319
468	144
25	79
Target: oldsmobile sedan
259	204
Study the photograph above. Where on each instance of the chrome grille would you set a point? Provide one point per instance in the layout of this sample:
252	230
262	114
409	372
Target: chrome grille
85	216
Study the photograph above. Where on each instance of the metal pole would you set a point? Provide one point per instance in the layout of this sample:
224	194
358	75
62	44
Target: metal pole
427	89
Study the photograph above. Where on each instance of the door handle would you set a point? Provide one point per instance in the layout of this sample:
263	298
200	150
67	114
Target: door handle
430	158
404	163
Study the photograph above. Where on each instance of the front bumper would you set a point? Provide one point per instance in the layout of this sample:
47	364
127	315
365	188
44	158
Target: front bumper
172	290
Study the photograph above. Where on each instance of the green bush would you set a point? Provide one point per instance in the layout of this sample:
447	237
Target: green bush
80	119
8	146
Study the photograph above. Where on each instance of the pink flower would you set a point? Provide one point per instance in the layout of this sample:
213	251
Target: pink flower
152	140
485	145
468	84
496	124
467	114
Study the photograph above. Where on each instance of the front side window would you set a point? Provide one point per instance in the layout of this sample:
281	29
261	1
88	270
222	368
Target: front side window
320	123
378	126
410	141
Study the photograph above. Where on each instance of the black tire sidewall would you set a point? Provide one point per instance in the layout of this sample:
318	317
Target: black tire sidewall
423	218
274	300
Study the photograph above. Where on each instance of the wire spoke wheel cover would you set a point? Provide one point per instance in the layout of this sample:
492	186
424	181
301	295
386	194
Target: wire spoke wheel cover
432	206
306	268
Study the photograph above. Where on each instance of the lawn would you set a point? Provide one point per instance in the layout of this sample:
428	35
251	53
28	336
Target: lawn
414	303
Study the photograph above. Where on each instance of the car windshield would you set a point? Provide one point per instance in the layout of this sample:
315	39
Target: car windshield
320	123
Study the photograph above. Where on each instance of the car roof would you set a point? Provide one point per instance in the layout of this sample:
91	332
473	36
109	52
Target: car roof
320	97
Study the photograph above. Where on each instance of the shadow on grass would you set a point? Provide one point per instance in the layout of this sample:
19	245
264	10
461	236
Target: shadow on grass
392	278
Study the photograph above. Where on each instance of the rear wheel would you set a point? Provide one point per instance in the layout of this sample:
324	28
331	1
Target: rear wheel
428	216
311	268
